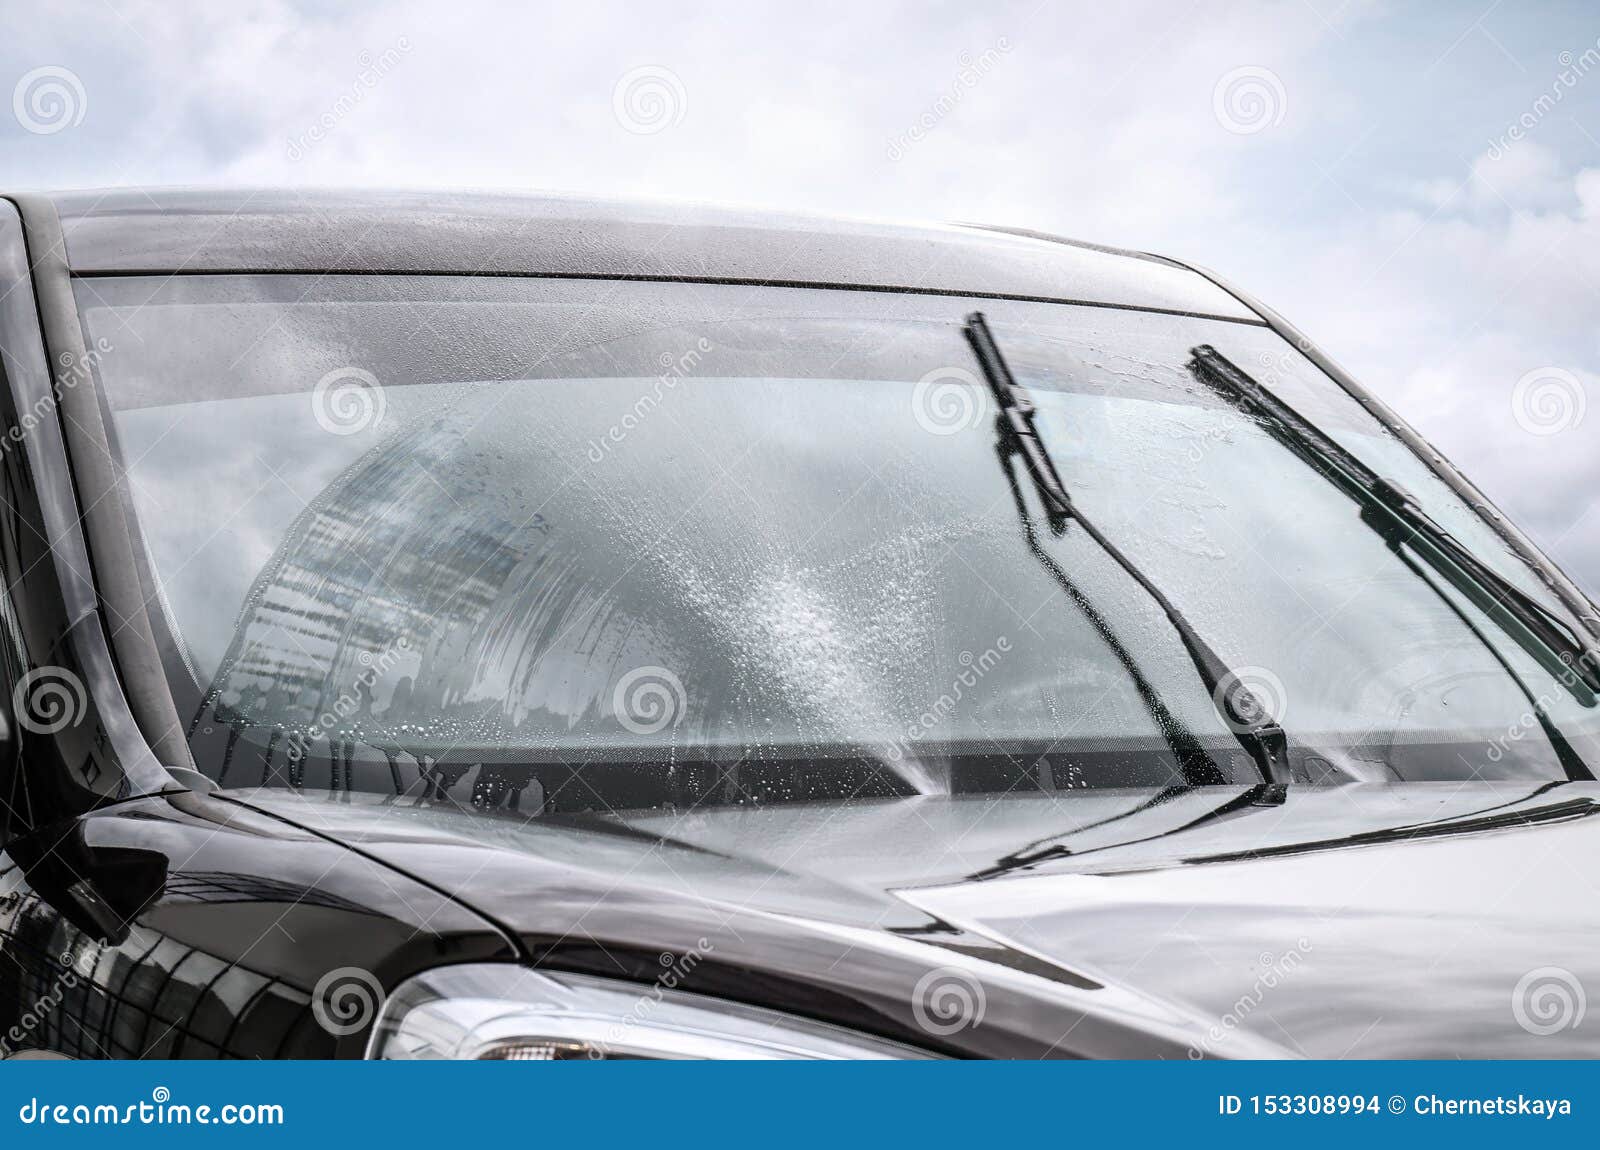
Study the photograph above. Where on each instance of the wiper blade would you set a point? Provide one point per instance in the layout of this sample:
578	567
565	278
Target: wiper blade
1390	510
1242	712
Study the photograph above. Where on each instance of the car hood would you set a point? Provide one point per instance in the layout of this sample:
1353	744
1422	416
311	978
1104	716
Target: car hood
1432	920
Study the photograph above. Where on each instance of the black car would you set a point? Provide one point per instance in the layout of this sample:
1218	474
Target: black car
447	626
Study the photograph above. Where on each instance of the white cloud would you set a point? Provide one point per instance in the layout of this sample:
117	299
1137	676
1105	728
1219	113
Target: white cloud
1526	175
1444	316
1368	210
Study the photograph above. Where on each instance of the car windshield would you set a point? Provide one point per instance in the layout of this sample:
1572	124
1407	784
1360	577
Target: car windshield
564	544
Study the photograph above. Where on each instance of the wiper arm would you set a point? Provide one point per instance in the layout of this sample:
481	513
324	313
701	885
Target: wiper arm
1391	511
1243	713
1571	762
1195	763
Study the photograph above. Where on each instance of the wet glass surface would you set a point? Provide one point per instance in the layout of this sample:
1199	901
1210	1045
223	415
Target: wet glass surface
556	544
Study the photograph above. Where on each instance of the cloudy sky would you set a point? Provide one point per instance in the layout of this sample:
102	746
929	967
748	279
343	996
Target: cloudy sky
1417	186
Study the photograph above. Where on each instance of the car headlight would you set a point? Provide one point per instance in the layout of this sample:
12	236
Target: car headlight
493	1011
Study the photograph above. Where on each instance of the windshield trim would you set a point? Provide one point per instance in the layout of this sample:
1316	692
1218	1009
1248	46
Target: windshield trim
623	277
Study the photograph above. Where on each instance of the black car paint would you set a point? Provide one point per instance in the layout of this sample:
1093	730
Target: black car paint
240	903
223	959
1117	904
839	914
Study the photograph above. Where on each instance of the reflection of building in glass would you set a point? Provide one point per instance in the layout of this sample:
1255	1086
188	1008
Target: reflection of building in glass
369	603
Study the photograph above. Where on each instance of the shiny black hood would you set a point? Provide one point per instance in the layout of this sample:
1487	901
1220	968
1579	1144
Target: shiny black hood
1431	920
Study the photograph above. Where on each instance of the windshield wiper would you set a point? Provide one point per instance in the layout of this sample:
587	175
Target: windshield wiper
1394	514
1571	762
1242	712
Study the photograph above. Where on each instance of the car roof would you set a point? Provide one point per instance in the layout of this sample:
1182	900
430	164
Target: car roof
166	231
